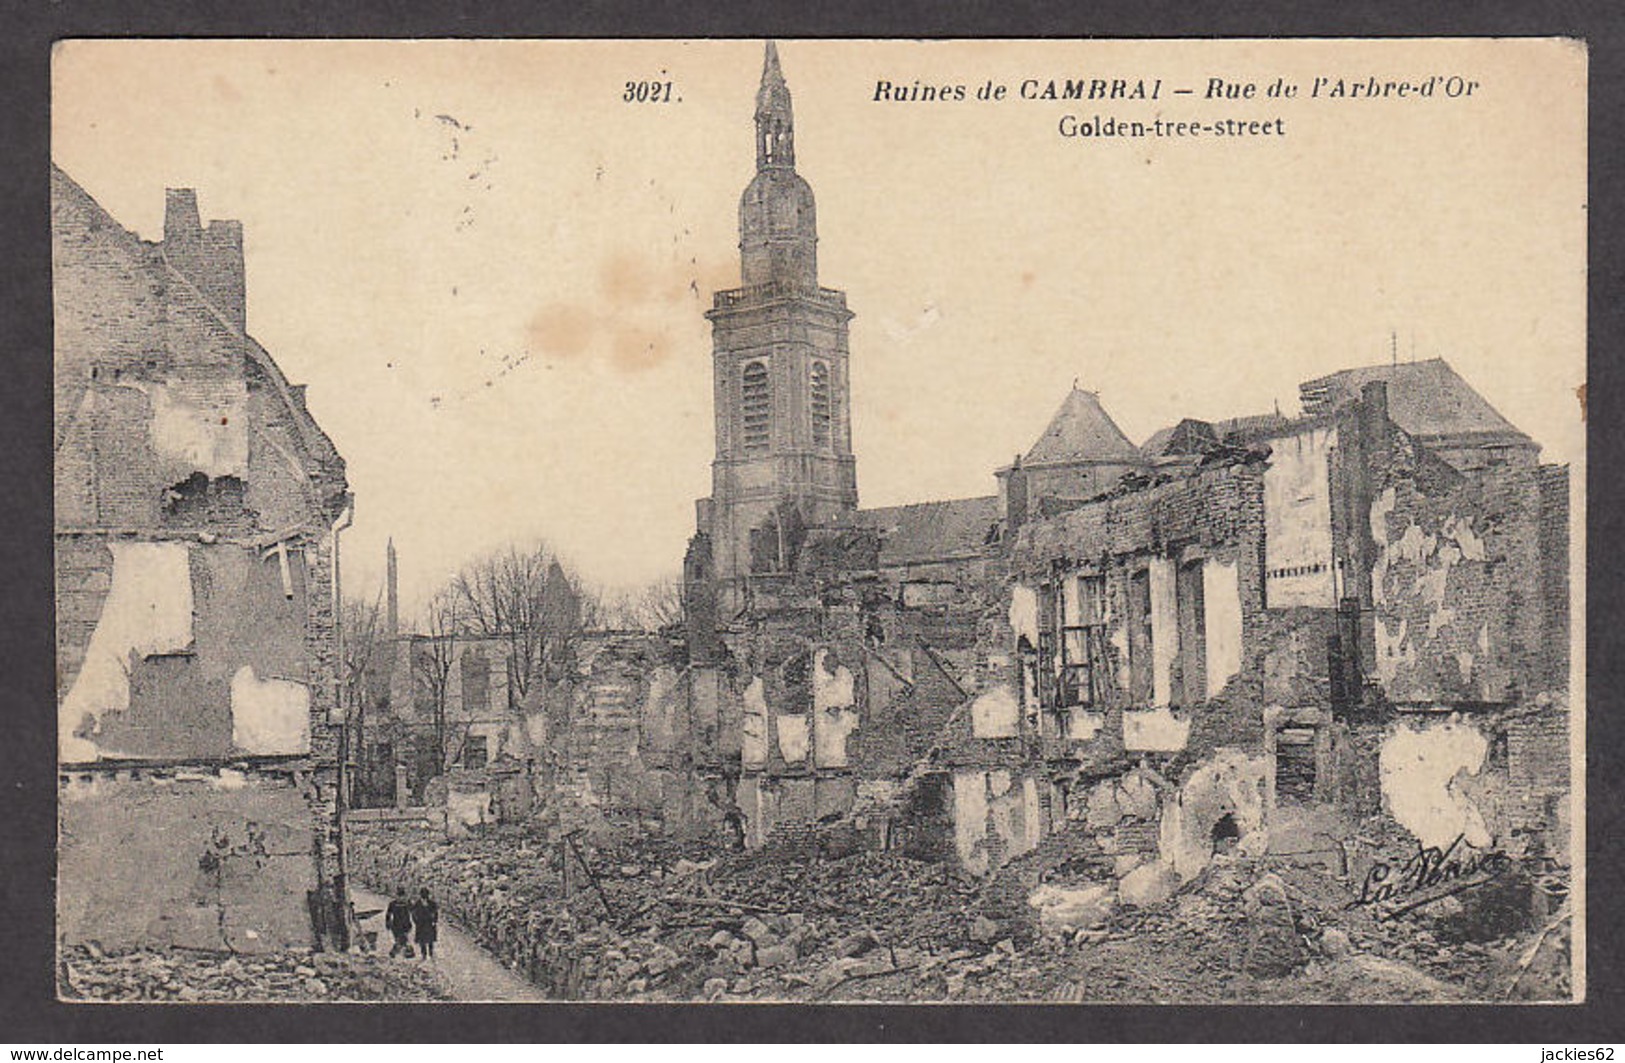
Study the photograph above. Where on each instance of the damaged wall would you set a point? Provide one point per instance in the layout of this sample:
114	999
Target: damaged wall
1178	574
1231	784
834	709
1298	526
146	610
1208	623
194	499
1427	767
211	859
997	817
195	651
1459	611
633	736
1222	613
1538	771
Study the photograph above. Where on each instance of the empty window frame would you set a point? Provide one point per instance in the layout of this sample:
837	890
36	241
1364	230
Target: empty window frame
1081	663
1295	765
1192	609
1140	639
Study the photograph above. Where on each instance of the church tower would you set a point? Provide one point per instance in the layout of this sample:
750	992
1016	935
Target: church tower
779	362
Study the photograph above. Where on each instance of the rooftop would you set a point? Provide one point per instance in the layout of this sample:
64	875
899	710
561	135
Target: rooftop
932	531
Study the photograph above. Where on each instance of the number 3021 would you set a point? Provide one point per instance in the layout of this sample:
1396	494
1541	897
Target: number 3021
647	92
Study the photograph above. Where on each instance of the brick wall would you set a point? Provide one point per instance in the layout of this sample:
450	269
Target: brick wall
214	860
1538	771
175	428
1553	652
1457	586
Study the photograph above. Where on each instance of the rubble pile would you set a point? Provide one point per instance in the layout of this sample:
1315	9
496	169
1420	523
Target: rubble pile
175	976
651	920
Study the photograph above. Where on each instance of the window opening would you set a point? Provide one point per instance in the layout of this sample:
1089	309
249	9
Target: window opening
756	406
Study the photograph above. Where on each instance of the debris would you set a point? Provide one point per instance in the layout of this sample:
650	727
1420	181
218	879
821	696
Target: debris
1067	910
1334	942
787	924
1274	947
775	956
1148	884
188	976
1563	916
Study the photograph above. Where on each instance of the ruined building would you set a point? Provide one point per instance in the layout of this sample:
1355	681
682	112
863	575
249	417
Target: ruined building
484	718
430	703
1337	636
198	507
1342	634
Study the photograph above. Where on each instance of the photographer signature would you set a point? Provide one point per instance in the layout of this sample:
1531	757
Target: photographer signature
1430	874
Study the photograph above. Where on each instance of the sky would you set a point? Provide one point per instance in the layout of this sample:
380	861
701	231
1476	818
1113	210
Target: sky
491	270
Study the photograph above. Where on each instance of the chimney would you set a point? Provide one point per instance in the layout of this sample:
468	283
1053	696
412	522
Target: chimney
1015	497
181	224
1373	415
1374	393
211	259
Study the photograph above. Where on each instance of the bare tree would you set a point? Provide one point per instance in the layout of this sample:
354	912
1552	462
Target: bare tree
434	653
652	607
364	652
363	674
526	597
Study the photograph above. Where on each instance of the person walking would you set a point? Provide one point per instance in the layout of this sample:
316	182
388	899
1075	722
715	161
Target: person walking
398	921
425	922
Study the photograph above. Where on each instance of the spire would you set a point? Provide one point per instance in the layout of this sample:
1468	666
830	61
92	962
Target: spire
775	126
770	65
778	224
392	615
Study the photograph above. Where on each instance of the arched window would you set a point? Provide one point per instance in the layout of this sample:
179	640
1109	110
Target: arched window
819	387
756	406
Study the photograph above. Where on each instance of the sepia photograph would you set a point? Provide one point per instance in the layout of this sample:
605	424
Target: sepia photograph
729	520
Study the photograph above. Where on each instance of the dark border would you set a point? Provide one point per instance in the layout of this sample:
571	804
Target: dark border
28	1011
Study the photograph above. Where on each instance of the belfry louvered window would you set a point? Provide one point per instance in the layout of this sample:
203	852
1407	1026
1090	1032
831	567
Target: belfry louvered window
756	408
819	386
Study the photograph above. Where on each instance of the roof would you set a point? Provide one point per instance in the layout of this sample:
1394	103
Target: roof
1082	431
932	531
1428	400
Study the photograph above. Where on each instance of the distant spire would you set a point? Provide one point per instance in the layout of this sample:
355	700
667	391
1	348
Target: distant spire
392	606
775	123
770	64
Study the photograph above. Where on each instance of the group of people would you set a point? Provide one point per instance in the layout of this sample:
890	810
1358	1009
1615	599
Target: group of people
420	918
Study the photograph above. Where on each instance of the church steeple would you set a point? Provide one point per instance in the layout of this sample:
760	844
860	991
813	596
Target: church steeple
778	222
779	356
775	123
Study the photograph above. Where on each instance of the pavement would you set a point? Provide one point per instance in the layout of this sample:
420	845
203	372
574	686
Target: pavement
467	971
